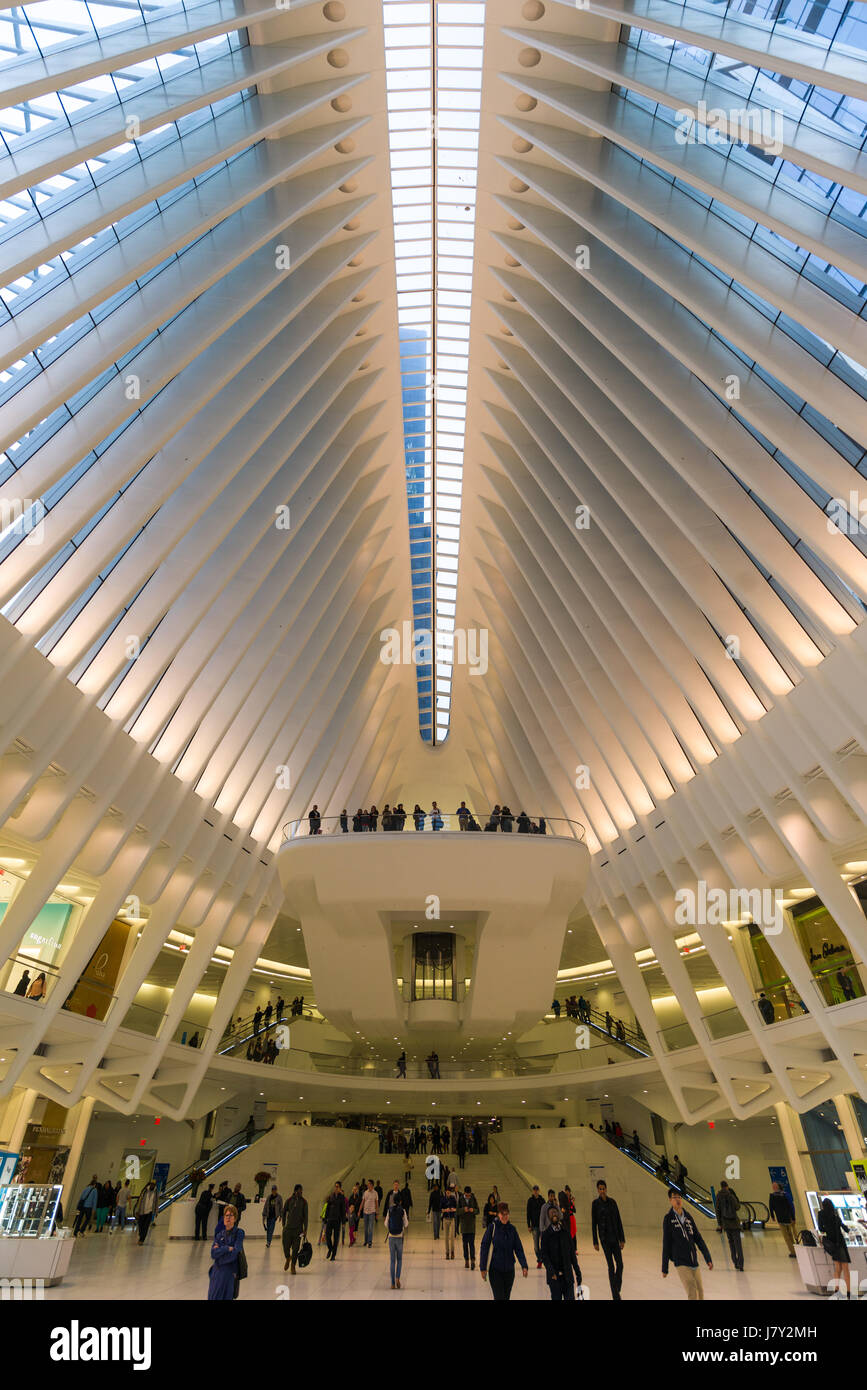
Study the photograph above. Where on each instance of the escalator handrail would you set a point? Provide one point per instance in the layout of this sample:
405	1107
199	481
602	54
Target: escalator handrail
223	1153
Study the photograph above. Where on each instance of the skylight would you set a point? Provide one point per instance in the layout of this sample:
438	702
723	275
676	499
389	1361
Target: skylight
433	55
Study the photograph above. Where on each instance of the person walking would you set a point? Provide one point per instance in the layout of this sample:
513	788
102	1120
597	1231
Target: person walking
448	1216
535	1203
501	1246
104	1202
682	1242
559	1258
146	1210
335	1215
468	1210
271	1213
727	1207
86	1207
121	1204
401	1064
202	1212
607	1232
396	1222
369	1210
294	1220
226	1250
434	1208
545	1211
783	1212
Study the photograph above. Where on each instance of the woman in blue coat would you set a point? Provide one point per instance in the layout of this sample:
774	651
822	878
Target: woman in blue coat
227	1246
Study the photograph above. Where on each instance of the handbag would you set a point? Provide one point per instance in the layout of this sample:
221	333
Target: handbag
242	1264
305	1254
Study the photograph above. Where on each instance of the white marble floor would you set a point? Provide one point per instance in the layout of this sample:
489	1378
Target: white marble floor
115	1267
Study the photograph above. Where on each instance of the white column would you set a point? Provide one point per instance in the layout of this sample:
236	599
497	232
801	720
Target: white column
70	1176
803	1177
26	1101
852	1131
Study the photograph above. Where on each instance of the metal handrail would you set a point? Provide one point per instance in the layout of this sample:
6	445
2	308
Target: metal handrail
225	1151
633	1039
448	822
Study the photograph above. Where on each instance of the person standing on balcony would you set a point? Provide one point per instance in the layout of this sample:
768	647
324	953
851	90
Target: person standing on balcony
344	821
374	819
506	820
315	821
463	816
607	1231
436	817
418	817
494	819
401	1064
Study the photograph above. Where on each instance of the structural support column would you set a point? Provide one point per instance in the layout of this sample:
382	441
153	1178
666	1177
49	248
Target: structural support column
76	1147
19	1118
803	1178
852	1131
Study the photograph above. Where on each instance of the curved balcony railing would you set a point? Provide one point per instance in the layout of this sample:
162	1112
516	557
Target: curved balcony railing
445	822
280	1054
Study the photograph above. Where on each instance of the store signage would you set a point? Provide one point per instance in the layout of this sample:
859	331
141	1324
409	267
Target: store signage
44	936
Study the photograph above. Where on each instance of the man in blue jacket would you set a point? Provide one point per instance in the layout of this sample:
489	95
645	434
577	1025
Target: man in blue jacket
503	1244
681	1243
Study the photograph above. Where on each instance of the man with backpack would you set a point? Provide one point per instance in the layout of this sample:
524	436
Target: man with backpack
727	1207
396	1222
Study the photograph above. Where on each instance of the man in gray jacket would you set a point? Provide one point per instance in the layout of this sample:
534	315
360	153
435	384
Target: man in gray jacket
545	1213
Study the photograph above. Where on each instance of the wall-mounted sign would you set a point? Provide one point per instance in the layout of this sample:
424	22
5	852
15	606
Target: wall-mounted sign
44	936
92	995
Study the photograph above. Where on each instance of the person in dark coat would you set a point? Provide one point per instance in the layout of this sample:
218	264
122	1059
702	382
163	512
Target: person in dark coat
834	1238
203	1211
21	987
727	1207
501	1245
607	1231
294	1226
681	1243
535	1203
335	1215
559	1258
468	1210
225	1250
783	1212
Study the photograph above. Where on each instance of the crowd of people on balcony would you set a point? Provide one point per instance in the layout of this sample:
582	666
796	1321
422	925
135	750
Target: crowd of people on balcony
394	818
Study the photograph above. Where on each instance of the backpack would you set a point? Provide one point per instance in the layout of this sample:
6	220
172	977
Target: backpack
728	1204
806	1238
395	1219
